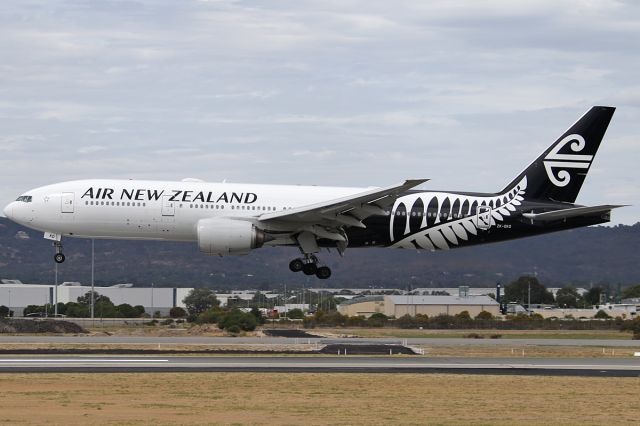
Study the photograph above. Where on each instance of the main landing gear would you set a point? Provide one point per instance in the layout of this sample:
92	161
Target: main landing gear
309	266
58	257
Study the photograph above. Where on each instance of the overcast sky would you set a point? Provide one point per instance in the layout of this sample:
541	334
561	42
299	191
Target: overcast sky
352	93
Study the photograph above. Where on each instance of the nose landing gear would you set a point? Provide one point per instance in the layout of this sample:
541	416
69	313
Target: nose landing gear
309	266
58	257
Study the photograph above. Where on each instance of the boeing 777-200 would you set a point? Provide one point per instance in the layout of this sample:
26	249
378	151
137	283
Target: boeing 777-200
232	219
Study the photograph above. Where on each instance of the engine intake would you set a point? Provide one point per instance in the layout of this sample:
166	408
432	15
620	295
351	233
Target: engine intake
228	236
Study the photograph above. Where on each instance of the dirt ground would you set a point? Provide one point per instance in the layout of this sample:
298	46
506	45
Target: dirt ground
329	398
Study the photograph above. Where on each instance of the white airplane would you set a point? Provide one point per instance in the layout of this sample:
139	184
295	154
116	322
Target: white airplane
233	219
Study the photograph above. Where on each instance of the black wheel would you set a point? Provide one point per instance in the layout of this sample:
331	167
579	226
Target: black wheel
296	265
309	268
59	257
323	272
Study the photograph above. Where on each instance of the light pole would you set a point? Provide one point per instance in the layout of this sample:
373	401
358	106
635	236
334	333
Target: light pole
55	291
92	278
152	308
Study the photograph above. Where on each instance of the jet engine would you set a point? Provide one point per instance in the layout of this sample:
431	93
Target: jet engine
228	236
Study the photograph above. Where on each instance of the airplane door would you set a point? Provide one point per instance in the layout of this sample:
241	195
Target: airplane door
483	217
67	202
168	206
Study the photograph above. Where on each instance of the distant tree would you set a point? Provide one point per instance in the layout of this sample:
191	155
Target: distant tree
592	297
177	312
484	315
125	310
85	299
257	313
34	309
140	310
406	321
4	311
518	291
463	316
568	297
210	316
601	315
631	292
295	313
377	320
104	308
76	310
199	300
235	319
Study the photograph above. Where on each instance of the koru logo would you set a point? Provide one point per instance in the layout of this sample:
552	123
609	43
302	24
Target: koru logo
556	164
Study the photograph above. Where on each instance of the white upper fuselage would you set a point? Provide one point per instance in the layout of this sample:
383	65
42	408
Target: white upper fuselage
139	209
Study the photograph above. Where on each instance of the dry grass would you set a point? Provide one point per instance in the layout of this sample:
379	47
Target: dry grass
506	334
486	349
266	399
528	351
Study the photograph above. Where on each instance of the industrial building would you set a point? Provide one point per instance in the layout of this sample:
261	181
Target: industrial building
398	306
17	295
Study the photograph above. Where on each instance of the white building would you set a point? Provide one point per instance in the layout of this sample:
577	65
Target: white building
17	296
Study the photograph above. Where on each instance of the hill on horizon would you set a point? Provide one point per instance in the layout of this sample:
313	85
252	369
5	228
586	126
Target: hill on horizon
581	257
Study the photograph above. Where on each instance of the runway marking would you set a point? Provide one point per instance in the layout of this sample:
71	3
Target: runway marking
80	361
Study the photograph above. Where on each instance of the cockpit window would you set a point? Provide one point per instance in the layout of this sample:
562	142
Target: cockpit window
24	198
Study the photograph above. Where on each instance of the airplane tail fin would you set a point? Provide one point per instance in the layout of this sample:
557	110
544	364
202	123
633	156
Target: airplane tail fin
558	174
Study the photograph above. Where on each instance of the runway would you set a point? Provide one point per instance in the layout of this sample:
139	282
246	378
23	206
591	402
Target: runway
145	340
354	364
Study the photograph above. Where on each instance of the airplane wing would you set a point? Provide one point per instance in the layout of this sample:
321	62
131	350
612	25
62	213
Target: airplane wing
345	211
569	213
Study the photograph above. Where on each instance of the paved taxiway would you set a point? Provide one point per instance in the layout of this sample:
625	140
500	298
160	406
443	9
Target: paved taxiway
359	364
148	340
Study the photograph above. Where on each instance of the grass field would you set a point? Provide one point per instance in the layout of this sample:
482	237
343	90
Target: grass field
506	334
330	398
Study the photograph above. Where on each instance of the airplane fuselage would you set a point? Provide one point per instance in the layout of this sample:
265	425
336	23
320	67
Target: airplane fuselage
164	210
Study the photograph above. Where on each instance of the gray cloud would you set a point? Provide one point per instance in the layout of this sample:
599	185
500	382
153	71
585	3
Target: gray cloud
346	93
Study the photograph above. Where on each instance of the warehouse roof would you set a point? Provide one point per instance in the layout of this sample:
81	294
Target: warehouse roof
376	298
441	300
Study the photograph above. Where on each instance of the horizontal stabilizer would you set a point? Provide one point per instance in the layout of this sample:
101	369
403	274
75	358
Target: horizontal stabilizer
569	213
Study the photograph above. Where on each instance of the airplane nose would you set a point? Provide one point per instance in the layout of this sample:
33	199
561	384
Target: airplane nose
8	210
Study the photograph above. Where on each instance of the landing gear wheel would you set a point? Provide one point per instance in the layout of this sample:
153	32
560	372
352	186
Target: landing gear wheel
59	258
309	268
296	265
323	272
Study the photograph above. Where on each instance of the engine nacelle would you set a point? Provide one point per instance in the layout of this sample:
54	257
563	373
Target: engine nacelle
228	236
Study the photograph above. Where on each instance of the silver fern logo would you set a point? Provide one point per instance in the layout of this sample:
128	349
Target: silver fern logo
557	165
439	220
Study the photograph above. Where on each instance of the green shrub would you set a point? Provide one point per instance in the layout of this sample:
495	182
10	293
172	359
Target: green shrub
463	316
295	314
601	315
485	316
177	312
210	316
236	318
4	311
125	310
377	320
233	329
